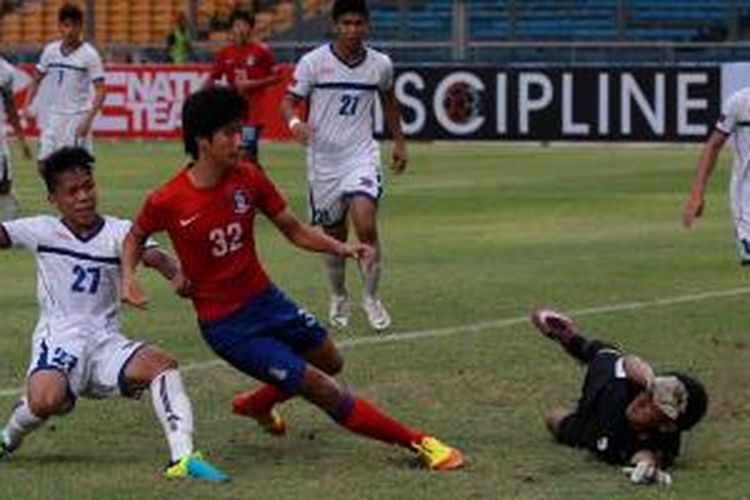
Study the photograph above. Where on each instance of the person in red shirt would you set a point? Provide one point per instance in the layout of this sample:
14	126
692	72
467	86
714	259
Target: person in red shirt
248	66
208	210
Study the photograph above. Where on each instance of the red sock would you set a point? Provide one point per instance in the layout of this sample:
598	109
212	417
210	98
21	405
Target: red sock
259	401
366	420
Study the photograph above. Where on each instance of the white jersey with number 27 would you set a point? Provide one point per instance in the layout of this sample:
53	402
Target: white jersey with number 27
76	278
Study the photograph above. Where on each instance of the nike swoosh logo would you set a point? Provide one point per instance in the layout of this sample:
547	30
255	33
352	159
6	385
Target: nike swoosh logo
189	220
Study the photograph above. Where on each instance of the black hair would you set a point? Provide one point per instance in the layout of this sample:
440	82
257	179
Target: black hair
697	401
342	7
65	159
208	110
70	12
242	15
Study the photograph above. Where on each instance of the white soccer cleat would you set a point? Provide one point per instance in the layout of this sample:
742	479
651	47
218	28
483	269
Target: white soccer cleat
338	313
376	314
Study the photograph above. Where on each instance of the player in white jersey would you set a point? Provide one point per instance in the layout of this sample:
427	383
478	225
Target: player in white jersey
341	82
78	349
8	202
74	67
735	122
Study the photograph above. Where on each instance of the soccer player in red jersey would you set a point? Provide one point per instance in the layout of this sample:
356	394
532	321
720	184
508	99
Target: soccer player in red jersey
248	66
208	210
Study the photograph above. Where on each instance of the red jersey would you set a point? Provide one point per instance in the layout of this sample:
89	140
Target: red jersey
251	61
212	233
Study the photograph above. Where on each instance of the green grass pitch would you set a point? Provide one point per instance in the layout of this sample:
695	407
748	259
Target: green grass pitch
475	236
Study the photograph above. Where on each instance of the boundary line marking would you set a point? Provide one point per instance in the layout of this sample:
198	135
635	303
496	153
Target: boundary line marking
486	325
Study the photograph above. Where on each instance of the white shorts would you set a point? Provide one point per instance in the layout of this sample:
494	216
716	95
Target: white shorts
328	200
93	361
60	130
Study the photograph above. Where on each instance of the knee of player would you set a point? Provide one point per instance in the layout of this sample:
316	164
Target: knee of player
148	364
335	365
49	402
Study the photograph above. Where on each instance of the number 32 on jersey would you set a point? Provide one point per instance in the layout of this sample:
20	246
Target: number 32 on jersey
225	240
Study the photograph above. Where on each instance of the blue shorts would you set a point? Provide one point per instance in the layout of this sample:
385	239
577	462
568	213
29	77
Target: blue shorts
266	339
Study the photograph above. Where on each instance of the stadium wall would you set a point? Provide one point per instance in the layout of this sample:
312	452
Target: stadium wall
535	103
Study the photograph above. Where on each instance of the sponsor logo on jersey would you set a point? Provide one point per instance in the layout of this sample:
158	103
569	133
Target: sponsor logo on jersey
250	61
242	202
189	220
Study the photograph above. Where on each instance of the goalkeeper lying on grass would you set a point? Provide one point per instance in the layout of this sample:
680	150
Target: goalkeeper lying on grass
626	414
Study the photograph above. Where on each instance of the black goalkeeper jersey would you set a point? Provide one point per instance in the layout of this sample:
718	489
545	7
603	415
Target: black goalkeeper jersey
599	422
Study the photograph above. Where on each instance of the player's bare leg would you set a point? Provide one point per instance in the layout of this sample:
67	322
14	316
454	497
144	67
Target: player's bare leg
338	314
46	395
156	370
363	212
260	404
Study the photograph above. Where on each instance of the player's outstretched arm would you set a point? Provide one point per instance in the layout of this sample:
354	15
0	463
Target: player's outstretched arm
309	238
14	119
392	114
31	94
100	94
166	265
638	371
706	164
132	249
299	129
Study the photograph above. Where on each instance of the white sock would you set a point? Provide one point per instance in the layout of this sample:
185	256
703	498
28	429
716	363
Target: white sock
371	276
8	207
336	268
174	412
21	422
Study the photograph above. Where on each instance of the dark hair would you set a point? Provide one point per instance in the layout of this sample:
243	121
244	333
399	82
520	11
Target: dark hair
342	7
207	111
697	401
70	12
65	159
242	15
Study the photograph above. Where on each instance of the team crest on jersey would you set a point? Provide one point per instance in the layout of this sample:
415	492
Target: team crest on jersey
242	203
250	61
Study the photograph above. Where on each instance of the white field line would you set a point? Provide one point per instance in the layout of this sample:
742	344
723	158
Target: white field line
486	325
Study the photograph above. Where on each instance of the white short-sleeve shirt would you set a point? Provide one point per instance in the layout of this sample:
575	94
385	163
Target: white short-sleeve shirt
76	278
341	98
71	76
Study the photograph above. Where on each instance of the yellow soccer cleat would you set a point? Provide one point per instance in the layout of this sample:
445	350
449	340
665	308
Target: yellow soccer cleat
436	455
195	466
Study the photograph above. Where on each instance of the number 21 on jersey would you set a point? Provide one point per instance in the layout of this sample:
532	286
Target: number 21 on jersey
348	105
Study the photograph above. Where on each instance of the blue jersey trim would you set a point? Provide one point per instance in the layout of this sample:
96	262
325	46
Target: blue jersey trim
66	66
346	85
78	255
99	225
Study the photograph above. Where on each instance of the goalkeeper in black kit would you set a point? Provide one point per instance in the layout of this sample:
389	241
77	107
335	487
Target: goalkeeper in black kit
626	415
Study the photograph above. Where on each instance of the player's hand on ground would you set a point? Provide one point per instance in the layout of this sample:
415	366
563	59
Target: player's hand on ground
301	132
693	209
646	472
181	285
400	158
132	294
